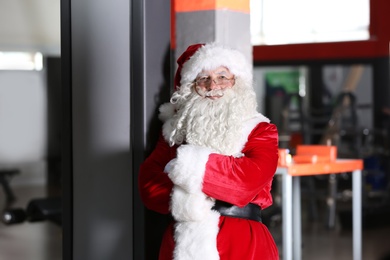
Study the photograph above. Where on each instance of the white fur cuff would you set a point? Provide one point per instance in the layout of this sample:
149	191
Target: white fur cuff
189	168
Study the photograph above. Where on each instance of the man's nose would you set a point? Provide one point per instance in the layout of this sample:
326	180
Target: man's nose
212	85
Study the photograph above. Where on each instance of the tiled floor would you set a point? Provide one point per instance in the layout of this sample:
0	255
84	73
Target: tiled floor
29	241
42	240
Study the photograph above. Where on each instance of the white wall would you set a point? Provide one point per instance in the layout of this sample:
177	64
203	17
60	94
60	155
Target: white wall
30	25
23	123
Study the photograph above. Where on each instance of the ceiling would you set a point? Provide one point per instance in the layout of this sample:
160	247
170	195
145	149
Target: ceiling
30	25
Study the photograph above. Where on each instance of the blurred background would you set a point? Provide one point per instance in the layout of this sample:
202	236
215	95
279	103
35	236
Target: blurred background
72	127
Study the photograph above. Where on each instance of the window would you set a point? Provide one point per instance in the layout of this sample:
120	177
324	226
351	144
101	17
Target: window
308	21
21	61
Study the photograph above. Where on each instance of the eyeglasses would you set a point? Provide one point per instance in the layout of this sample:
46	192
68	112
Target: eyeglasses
207	80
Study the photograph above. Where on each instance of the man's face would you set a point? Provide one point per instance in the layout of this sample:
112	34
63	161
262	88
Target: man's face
212	83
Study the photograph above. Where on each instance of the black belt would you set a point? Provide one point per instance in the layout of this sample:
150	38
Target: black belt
250	211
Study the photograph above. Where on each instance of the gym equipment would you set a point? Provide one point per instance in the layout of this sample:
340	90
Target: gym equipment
43	209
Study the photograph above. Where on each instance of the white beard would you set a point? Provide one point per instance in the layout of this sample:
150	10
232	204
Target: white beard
216	124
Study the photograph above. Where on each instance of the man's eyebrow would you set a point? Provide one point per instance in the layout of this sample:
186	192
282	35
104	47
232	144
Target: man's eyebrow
222	72
203	75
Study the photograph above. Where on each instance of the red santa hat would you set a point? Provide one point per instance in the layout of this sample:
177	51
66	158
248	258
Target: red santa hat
210	56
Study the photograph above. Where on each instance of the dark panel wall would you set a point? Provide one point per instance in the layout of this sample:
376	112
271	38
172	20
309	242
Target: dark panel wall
150	87
116	67
100	94
54	112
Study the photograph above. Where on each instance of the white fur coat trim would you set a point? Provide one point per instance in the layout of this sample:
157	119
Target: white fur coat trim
196	229
249	125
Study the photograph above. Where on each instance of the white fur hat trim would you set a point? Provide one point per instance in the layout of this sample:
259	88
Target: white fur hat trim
212	56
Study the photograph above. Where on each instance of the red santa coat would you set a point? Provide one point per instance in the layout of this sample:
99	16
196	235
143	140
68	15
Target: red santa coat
238	180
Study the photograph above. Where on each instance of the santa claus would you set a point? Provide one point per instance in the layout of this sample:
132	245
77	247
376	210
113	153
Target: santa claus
214	163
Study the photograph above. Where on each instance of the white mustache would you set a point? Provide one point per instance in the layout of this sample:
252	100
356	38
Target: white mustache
211	93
